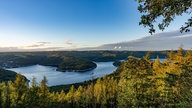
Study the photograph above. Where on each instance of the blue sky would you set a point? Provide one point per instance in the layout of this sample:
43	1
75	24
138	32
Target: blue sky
69	24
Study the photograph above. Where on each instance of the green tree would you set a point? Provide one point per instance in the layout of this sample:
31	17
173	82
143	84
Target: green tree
167	10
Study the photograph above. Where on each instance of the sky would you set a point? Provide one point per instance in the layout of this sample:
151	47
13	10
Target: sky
70	24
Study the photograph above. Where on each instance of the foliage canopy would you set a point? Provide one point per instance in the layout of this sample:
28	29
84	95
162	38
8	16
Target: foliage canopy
167	10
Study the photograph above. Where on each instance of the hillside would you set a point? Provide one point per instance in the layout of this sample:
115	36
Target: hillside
6	75
138	82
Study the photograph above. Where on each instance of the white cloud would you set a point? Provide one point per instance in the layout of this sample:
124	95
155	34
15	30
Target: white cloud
38	44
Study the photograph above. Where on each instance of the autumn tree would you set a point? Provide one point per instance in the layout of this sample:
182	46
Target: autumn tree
61	99
43	93
134	84
18	92
79	97
111	91
98	89
70	97
4	95
159	84
32	96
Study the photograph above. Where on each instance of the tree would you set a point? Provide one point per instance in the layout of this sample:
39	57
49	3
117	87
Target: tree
4	95
98	91
78	97
61	98
171	55
70	96
32	97
43	93
158	79
134	84
111	90
18	92
147	56
165	9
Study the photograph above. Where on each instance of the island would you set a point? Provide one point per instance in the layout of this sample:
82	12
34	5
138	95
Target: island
72	64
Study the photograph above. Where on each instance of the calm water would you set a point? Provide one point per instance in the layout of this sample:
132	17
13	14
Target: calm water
57	78
161	59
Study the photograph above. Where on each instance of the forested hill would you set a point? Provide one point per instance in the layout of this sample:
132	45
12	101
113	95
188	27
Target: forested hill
138	82
7	75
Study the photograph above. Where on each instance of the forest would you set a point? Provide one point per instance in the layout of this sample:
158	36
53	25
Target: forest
138	82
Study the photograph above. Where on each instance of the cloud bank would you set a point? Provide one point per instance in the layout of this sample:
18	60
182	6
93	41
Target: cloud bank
161	41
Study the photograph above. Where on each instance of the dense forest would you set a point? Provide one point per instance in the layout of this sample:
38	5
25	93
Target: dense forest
54	58
7	75
138	82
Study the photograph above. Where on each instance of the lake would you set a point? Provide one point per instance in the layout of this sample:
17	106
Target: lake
58	78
